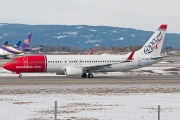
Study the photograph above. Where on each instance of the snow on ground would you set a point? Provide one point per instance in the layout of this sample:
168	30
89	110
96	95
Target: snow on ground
107	107
127	101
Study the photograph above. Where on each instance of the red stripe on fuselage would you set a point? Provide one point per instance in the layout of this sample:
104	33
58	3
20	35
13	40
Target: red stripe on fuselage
27	64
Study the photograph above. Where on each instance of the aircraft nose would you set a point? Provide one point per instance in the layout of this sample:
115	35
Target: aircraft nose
6	66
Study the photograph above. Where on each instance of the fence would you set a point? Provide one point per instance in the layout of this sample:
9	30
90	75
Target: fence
84	111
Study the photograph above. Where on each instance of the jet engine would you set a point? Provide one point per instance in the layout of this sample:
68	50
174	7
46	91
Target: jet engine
73	71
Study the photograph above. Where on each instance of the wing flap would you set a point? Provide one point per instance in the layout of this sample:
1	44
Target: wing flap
97	67
103	66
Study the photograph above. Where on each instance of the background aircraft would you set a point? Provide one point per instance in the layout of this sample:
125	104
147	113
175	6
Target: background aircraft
85	65
8	50
18	48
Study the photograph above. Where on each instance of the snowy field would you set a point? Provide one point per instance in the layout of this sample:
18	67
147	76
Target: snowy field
134	106
107	101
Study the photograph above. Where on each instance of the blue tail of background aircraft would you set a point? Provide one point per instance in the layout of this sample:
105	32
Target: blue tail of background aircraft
5	43
18	43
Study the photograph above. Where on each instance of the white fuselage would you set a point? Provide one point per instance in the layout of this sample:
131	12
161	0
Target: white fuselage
57	63
3	52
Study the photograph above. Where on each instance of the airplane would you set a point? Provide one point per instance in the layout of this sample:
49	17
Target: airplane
10	56
5	45
18	48
86	65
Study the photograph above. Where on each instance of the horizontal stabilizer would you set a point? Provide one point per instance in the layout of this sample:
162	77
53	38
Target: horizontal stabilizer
38	48
157	57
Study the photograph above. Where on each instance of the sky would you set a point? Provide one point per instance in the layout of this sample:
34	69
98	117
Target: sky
138	14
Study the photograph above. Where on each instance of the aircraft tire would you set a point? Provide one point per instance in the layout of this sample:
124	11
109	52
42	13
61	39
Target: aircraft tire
90	75
84	75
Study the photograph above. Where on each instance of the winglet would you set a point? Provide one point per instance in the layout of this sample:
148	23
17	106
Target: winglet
131	55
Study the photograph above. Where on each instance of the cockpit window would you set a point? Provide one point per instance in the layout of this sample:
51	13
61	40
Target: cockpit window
14	61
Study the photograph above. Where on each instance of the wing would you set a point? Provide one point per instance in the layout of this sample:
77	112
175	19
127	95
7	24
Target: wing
103	66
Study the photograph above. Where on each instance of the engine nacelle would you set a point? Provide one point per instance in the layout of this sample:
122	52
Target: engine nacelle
73	71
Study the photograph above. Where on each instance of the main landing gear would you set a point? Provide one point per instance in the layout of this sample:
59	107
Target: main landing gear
90	75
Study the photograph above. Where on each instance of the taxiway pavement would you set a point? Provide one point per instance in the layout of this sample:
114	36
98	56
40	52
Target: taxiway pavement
95	80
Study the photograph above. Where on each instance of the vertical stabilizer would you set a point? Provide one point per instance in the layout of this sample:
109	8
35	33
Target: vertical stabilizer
154	45
5	44
91	51
26	42
17	44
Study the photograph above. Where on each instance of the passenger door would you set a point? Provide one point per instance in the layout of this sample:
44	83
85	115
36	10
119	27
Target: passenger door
139	61
25	59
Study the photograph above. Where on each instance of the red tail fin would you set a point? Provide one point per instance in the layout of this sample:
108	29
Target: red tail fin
91	52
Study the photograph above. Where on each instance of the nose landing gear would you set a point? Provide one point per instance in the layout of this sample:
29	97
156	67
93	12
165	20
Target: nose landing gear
20	75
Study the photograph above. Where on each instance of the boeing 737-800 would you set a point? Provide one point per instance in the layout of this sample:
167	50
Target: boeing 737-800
85	65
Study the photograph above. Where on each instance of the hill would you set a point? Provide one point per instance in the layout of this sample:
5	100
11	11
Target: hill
81	36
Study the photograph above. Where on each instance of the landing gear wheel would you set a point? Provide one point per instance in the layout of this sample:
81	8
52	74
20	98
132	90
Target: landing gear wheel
90	75
20	75
84	75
